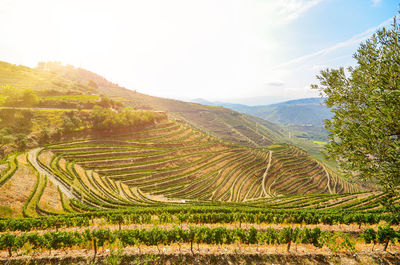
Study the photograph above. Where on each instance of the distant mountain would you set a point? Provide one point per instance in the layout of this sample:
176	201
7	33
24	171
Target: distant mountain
307	111
303	117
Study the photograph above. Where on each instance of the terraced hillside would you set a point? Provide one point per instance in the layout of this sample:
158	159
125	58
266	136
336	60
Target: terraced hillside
173	162
218	121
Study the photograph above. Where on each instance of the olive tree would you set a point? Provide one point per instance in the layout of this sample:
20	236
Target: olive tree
365	100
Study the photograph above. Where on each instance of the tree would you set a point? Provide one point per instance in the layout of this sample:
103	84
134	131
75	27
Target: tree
369	236
44	135
71	121
365	129
5	137
93	84
21	141
29	98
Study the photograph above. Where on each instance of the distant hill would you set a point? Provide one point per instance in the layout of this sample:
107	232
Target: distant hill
307	111
304	117
202	153
217	121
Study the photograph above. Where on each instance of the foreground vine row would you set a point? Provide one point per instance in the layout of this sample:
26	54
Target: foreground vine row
197	215
204	235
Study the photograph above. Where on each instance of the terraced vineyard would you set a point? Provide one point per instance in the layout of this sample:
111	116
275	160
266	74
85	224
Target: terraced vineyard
172	189
173	162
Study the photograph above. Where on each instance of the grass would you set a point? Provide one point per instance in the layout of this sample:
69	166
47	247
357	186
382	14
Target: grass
274	146
5	211
74	97
321	143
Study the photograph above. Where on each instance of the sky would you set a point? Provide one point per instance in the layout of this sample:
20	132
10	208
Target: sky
253	52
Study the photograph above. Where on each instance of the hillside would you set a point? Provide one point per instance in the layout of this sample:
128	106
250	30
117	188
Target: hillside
122	177
175	161
218	121
307	111
19	76
96	167
107	156
304	117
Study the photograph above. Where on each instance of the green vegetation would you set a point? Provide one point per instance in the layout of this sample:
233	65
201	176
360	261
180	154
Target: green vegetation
12	166
233	214
303	117
106	119
58	86
320	143
73	97
172	162
22	77
18	97
110	158
365	128
5	211
155	237
24	128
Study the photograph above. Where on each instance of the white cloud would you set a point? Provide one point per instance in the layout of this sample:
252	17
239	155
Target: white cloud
292	9
297	74
355	40
376	2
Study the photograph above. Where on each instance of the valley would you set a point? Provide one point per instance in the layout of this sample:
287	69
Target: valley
90	167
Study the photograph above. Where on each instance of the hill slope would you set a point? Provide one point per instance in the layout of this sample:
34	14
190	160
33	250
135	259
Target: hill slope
218	121
309	111
304	117
171	161
201	153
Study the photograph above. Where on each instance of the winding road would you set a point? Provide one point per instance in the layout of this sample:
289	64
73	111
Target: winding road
32	158
264	177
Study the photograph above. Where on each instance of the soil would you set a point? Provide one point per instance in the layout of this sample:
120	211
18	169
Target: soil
17	189
50	199
99	223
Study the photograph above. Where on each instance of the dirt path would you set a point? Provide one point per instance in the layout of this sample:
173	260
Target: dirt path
352	229
265	174
209	254
328	176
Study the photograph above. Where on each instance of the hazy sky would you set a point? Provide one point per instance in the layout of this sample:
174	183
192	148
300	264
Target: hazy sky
247	51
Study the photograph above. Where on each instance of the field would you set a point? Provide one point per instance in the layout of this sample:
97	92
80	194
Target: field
320	143
74	97
170	191
207	186
173	162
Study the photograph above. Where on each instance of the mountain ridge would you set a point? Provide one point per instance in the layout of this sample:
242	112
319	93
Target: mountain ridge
291	112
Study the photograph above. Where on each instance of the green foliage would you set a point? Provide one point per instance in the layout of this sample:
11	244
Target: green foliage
115	257
369	235
338	241
18	97
16	121
156	236
193	215
29	98
5	211
79	97
365	129
386	235
11	168
107	119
